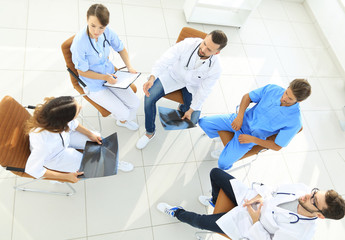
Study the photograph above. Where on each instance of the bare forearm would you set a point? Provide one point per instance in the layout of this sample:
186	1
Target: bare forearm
125	58
266	143
57	175
244	105
83	130
92	75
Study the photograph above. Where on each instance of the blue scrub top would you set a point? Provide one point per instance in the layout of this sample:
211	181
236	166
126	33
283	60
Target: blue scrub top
267	117
86	58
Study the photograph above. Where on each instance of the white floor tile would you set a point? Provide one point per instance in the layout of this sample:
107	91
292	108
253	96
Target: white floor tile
43	50
308	168
39	84
296	12
143	58
308	35
151	22
142	234
176	4
272	9
234	60
275	78
179	231
175	21
334	89
216	96
318	99
13	47
234	87
42	216
325	129
6	209
117	203
175	184
322	63
329	229
263	60
167	146
13	86
334	162
146	3
295	62
270	170
6	13
46	15
282	33
254	32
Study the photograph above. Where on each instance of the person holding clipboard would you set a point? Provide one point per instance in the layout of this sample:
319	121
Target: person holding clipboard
90	55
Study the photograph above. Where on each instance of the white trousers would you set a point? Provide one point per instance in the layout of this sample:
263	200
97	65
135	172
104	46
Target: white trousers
122	103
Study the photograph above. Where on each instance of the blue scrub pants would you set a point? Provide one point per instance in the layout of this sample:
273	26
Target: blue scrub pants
234	150
156	93
219	180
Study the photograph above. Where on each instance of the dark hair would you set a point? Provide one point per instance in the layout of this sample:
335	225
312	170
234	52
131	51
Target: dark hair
101	12
53	115
301	89
335	206
219	37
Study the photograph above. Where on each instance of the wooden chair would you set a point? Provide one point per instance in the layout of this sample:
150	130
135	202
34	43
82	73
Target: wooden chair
186	32
14	143
65	47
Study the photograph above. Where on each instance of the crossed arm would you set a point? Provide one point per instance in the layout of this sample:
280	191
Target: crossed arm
245	138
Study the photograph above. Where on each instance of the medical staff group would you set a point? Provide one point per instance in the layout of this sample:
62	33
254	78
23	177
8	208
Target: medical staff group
192	66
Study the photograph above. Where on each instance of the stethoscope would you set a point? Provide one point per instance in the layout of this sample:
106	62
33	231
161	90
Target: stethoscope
293	214
190	57
105	40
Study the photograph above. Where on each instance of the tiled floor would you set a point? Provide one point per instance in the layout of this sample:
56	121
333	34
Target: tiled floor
279	43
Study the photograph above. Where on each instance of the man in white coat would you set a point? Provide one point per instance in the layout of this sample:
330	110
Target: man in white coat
191	65
288	212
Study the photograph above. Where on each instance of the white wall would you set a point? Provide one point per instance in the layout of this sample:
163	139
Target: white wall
330	16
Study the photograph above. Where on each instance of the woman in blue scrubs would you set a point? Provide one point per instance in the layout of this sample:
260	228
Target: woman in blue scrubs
90	55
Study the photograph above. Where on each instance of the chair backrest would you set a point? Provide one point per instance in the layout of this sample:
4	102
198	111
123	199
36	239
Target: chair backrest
186	32
14	143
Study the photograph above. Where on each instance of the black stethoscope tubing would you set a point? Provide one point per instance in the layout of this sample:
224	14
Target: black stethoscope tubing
105	40
190	57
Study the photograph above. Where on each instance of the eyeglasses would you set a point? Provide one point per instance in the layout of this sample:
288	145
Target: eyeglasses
312	199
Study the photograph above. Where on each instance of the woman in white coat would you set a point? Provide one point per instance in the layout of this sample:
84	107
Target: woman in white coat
54	135
288	212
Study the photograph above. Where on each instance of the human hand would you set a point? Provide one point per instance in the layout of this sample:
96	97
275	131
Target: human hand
188	114
237	123
256	199
131	70
245	138
254	214
146	87
93	137
73	176
110	78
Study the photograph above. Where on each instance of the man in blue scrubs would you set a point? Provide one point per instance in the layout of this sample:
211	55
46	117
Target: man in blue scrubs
276	111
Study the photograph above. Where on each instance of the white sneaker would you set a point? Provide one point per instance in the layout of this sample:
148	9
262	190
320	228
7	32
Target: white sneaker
206	201
216	153
167	209
128	124
125	166
144	140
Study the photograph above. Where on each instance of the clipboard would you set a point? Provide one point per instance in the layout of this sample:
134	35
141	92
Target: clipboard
124	79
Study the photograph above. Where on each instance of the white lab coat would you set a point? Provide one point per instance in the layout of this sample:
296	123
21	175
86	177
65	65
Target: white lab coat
47	151
173	74
274	221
